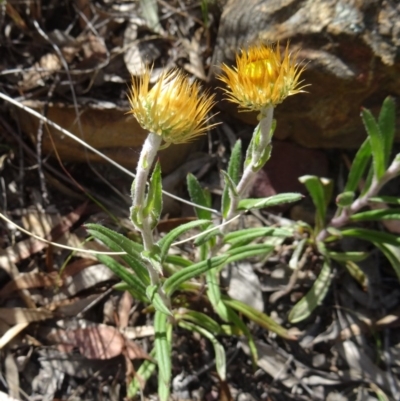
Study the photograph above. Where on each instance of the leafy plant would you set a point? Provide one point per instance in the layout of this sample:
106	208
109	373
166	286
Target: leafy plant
163	280
359	202
148	270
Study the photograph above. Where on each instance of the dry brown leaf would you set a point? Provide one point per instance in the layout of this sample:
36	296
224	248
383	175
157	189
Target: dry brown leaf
98	342
11	268
94	50
224	392
11	333
31	280
272	362
47	65
124	307
87	278
97	120
25	248
365	325
390	320
358	360
138	332
355	329
71	307
15	16
39	223
78	265
11	375
14	316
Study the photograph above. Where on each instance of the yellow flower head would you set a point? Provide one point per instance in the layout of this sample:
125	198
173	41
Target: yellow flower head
172	108
262	77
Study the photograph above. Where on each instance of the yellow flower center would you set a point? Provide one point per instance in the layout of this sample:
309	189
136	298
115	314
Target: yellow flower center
258	71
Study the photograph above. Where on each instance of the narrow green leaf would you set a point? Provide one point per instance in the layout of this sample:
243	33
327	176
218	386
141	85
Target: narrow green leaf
206	237
391	200
248	251
172	283
220	357
125	243
163	354
143	374
261	203
199	196
204	12
387	125
378	214
153	202
358	166
234	168
235	162
119	243
372	236
200	319
178	261
314	297
316	190
125	275
122	286
356	272
392	253
377	143
225	312
233	317
256	316
225	201
255	138
249	234
166	242
231	193
345	256
214	292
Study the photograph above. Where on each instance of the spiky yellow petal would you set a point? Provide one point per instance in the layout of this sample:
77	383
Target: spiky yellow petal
173	108
262	77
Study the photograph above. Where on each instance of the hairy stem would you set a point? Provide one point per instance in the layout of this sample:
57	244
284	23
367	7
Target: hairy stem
250	173
146	159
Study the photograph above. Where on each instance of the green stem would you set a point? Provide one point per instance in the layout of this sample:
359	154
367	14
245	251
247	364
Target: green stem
250	172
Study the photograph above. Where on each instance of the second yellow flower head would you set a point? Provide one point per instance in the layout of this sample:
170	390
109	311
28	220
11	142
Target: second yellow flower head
262	77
